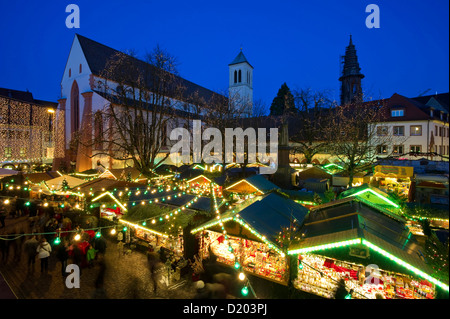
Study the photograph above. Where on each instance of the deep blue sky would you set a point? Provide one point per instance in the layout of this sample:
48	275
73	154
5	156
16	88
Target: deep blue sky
297	42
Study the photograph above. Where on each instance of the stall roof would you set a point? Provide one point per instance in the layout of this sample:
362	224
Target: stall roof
352	222
273	212
314	172
171	197
40	177
258	182
373	196
266	216
104	184
56	183
7	172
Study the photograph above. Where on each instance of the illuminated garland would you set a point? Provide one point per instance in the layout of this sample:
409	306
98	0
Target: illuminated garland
24	141
375	248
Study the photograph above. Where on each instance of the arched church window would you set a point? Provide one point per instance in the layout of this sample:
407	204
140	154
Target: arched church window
74	108
80	68
240	76
235	76
70	73
98	130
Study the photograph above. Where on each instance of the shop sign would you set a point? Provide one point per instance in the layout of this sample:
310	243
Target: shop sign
398	171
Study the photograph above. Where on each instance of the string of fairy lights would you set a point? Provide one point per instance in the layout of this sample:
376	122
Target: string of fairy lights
163	217
237	266
34	132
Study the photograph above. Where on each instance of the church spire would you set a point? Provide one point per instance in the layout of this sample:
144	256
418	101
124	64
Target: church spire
351	76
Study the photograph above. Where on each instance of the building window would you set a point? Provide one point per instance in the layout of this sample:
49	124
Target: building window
416	130
81	68
240	76
74	108
381	149
440	130
8	151
70	73
235	76
397	112
382	130
399	130
98	130
415	148
398	149
23	151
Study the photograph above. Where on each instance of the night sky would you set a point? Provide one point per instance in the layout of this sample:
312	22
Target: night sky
297	42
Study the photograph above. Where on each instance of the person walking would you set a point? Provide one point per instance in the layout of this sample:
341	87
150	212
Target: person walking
30	248
100	245
44	249
90	256
62	254
2	215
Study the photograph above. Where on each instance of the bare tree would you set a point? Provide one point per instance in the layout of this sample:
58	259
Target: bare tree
313	109
354	137
144	100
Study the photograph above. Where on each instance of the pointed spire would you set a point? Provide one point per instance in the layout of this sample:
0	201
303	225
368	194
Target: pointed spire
351	64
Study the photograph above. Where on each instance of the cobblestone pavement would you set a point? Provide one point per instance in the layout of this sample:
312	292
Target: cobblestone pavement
126	277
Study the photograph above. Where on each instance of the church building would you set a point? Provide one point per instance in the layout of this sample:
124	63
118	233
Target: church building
82	100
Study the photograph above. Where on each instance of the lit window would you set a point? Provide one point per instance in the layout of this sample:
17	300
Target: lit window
8	151
381	149
416	130
415	148
397	112
398	149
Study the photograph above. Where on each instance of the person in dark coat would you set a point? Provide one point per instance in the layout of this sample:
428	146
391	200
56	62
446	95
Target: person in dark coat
30	247
100	245
62	254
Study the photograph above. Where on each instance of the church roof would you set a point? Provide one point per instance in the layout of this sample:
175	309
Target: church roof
240	58
97	56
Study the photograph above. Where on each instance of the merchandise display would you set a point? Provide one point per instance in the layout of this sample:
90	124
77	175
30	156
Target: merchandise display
320	275
173	244
255	257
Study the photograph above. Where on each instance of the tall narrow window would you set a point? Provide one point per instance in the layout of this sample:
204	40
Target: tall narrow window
98	130
81	68
74	108
240	76
235	76
70	73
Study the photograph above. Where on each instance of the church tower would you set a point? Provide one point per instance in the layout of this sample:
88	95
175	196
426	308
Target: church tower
351	89
240	87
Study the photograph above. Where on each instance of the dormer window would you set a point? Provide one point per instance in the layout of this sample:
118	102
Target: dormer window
397	112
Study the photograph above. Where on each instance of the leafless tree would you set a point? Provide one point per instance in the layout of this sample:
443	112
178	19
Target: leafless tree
354	137
144	101
309	122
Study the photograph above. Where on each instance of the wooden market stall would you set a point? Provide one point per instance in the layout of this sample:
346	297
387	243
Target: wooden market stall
392	178
372	253
251	240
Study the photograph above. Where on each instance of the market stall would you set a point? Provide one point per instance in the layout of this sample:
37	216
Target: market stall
321	275
251	237
392	178
249	187
376	256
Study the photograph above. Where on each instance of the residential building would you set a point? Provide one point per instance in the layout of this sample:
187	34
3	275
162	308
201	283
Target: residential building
29	130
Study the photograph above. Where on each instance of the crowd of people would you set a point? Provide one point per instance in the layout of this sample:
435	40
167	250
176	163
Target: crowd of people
45	234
